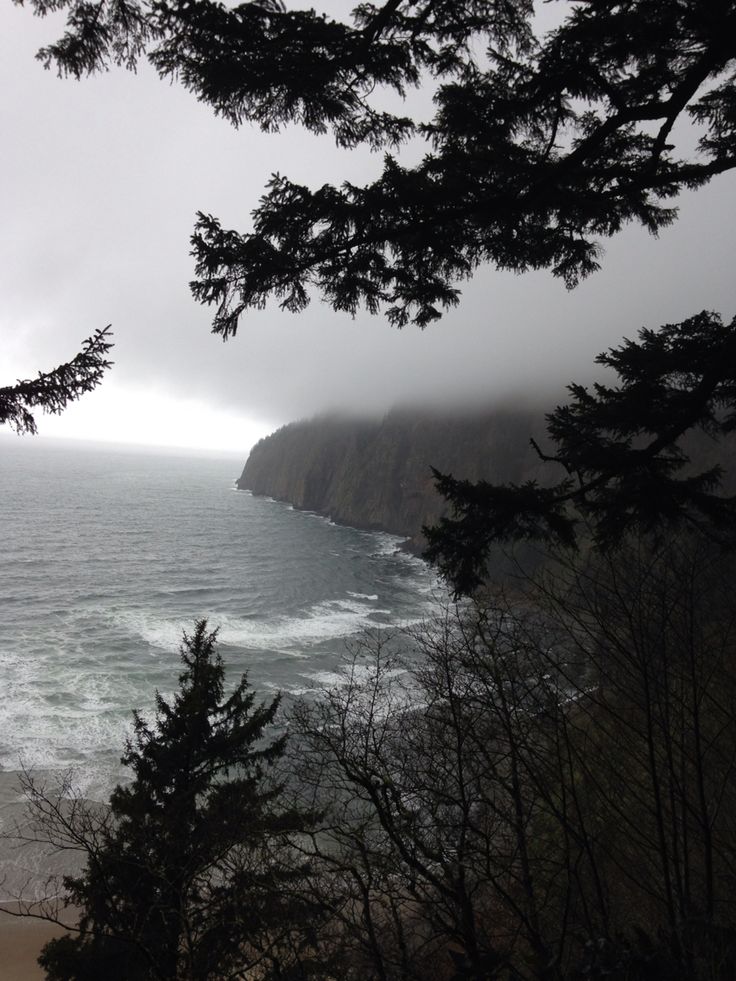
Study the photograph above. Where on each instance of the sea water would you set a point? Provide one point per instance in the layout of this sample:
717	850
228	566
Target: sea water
107	555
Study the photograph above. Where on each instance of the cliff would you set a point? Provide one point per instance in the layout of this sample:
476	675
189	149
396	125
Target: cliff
376	474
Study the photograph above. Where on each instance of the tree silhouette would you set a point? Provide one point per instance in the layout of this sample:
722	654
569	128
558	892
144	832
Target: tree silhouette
52	391
539	786
182	876
540	144
619	452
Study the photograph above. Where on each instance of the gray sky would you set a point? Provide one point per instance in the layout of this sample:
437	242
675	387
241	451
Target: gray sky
99	184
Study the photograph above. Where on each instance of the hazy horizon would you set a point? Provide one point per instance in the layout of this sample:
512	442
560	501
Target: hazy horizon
100	182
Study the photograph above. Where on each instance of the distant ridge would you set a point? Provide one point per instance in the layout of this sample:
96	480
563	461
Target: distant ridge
375	474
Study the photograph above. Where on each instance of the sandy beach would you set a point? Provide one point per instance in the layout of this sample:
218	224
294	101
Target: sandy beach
23	870
21	940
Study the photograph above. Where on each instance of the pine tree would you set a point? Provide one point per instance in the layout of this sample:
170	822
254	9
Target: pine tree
182	878
542	144
53	390
620	451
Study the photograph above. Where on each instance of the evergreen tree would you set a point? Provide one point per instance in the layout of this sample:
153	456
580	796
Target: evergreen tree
182	879
620	451
541	144
52	391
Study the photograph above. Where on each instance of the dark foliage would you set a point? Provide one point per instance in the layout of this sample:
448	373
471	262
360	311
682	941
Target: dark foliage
540	146
618	449
69	959
182	877
540	789
54	390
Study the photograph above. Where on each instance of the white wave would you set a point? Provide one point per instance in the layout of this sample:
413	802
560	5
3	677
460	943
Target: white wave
56	715
327	621
160	632
358	674
51	742
357	607
328	679
387	544
93	639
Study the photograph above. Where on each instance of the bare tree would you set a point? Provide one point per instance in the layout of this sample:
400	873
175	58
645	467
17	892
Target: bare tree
540	787
651	737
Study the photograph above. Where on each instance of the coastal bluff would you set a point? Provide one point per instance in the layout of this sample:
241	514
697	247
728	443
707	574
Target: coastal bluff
376	474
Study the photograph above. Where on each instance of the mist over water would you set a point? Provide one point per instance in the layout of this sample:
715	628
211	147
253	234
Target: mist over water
107	555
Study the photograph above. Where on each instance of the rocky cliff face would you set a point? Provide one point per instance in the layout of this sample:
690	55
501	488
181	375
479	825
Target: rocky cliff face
376	474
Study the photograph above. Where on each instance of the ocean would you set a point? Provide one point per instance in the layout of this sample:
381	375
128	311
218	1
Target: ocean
108	554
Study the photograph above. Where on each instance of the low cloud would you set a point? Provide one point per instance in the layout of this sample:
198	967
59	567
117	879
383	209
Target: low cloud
100	181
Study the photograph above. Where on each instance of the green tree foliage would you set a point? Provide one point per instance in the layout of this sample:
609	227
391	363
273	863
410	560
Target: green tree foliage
52	391
183	880
617	447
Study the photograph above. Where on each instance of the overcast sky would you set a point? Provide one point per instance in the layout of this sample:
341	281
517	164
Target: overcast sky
99	185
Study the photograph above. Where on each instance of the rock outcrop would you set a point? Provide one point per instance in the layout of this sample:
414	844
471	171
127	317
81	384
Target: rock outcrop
377	474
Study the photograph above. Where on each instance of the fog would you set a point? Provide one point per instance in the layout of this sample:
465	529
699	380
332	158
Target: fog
100	182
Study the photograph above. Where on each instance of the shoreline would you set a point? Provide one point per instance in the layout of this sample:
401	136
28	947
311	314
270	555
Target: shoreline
23	870
410	543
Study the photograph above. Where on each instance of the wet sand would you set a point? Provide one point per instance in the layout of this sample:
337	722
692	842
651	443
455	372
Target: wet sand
21	940
23	870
